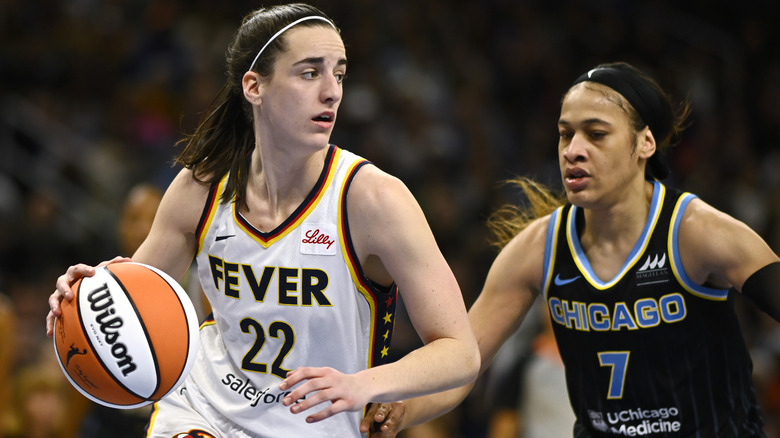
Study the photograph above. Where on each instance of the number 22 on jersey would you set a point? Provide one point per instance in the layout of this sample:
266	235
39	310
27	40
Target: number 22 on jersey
247	326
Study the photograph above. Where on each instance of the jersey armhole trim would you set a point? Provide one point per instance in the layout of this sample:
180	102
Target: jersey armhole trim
676	261
381	301
209	210
550	243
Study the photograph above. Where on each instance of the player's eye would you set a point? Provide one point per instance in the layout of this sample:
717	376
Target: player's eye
310	74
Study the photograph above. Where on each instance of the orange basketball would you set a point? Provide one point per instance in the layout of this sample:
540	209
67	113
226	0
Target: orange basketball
128	337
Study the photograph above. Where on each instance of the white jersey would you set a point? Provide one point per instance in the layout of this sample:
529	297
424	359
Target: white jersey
292	297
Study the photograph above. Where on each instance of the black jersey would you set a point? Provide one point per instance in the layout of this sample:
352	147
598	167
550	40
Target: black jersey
648	352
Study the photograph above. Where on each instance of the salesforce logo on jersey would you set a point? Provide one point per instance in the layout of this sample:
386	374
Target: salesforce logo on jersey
636	422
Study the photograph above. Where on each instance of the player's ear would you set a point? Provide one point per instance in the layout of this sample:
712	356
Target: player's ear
252	84
647	143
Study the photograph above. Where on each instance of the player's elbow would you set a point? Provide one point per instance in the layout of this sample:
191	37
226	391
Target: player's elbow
471	364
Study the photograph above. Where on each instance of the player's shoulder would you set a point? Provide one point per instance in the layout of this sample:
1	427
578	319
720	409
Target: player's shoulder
375	187
534	234
702	218
528	245
185	198
185	184
706	234
521	261
372	176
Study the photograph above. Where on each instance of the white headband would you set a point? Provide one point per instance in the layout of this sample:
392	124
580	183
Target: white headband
270	40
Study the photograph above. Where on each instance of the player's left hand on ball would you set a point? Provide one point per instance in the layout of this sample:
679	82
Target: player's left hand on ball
383	420
318	385
63	290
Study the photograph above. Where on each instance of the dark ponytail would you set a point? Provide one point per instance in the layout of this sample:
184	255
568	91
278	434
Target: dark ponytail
225	135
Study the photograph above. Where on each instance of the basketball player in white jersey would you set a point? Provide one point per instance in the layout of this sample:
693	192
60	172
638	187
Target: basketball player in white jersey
636	277
300	247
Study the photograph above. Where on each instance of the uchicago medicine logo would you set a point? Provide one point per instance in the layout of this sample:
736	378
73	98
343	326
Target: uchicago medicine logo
637	422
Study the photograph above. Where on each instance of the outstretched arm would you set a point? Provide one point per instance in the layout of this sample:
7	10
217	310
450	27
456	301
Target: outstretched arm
512	284
394	243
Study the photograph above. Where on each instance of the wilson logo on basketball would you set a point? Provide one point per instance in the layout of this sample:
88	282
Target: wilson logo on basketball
100	301
128	337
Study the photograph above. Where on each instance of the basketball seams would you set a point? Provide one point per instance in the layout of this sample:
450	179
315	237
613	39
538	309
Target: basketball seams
183	312
180	306
96	357
149	342
144	327
83	332
92	347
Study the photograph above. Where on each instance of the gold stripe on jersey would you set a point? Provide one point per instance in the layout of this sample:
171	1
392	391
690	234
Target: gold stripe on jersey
366	289
207	322
352	264
210	210
636	252
302	213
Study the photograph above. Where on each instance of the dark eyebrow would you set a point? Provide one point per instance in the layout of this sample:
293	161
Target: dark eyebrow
319	60
591	121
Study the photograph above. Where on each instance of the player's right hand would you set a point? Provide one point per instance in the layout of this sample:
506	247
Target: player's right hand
63	288
383	420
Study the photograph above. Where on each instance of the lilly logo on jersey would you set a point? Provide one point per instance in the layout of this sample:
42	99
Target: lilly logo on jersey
318	239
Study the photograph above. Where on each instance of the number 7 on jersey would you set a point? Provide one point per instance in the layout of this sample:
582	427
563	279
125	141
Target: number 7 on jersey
618	361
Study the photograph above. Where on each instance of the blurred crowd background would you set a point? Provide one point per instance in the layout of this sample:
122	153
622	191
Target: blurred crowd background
453	97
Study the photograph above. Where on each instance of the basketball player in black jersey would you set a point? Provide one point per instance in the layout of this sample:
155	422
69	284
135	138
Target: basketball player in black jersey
636	277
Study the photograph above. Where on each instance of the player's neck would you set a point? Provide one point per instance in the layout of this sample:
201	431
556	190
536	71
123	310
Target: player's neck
277	186
618	225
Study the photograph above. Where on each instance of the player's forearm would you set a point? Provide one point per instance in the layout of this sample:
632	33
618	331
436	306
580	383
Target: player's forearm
438	366
420	410
760	287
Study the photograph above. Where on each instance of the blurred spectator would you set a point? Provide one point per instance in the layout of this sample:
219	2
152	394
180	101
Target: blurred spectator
43	403
40	404
7	348
137	216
